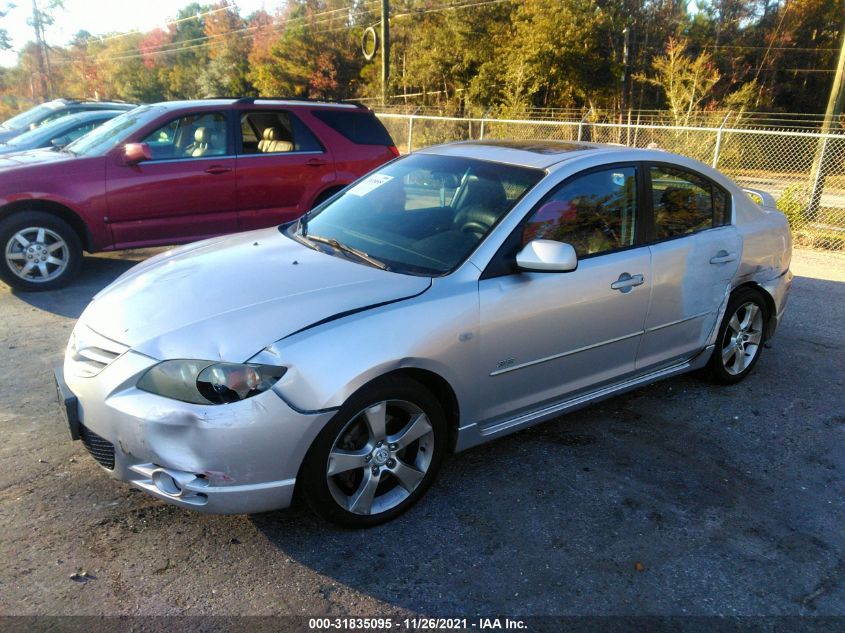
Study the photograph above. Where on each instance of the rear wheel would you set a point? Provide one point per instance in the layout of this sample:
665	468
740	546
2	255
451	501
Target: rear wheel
377	456
40	251
740	339
325	196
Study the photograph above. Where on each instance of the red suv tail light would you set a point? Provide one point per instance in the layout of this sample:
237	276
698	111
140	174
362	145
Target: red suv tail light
394	150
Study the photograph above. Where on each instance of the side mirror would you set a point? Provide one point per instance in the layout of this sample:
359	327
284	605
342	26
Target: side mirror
134	153
60	142
547	256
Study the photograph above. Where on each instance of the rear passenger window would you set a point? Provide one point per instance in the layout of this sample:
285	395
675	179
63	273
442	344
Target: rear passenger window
274	133
359	127
721	210
684	203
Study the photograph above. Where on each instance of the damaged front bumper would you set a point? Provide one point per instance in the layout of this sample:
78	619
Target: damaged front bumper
235	458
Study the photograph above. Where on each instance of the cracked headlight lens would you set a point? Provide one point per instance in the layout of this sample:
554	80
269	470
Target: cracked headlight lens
207	382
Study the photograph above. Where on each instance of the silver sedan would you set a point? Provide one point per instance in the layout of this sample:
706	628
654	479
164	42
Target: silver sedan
451	297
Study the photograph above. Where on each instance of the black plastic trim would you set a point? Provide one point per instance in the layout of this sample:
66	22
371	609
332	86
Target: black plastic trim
347	313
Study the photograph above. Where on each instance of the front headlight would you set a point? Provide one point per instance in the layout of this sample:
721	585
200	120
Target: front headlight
207	382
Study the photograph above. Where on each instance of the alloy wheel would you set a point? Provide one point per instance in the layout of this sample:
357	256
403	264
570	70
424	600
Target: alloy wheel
380	457
743	338
37	254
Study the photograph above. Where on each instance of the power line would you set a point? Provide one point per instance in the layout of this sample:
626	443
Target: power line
196	16
456	6
175	47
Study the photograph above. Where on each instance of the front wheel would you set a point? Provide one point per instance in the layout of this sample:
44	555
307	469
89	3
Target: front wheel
40	251
740	339
377	456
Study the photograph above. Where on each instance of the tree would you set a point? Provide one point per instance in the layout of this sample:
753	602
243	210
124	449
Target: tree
5	42
228	51
188	53
316	55
85	78
686	81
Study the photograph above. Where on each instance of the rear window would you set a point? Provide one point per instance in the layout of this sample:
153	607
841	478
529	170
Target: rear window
362	128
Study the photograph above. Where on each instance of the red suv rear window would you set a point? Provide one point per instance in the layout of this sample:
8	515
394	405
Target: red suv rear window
362	128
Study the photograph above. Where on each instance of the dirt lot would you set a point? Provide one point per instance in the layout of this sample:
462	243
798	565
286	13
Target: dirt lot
680	498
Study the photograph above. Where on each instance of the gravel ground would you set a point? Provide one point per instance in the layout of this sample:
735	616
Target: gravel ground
679	498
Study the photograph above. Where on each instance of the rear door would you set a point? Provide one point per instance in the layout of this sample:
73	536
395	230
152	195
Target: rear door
187	190
281	168
695	253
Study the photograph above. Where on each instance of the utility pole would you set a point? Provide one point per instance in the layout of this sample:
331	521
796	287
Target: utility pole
385	49
834	107
626	32
39	44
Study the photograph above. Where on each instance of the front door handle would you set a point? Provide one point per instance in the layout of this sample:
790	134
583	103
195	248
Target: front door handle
626	282
214	170
723	257
315	162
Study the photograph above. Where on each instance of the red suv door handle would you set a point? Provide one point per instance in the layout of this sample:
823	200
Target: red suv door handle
316	162
218	169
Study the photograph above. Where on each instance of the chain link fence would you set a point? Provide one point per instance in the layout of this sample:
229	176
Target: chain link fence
803	171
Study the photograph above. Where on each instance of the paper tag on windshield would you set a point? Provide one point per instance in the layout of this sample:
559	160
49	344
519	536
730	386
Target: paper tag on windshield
369	183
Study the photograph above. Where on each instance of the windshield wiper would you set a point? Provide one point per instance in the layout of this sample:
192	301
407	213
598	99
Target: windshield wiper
347	249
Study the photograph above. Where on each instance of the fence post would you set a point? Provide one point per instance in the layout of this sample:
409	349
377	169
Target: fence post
483	117
411	129
719	141
581	124
818	182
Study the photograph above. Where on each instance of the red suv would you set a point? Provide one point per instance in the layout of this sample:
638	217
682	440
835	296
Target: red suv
175	172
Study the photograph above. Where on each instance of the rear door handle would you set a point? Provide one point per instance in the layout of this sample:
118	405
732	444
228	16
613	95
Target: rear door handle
723	257
626	282
316	162
218	169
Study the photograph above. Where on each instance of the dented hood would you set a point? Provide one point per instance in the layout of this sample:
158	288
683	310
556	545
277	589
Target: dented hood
228	298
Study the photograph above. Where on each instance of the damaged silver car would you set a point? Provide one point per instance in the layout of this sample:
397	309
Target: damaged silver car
451	297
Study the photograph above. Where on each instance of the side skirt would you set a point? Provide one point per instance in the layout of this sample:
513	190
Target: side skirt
472	434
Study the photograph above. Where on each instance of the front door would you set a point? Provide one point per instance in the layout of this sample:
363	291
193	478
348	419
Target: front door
695	254
186	192
547	335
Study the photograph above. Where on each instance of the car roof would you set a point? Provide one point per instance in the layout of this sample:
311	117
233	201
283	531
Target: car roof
538	154
542	154
64	103
287	102
90	114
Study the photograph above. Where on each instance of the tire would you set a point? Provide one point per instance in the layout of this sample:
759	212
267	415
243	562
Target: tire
43	242
328	193
739	343
371	479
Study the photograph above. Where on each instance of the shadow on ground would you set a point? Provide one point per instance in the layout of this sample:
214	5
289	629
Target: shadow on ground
97	272
679	498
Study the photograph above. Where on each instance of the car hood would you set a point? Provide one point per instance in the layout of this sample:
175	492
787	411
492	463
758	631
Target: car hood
228	298
28	158
5	148
6	134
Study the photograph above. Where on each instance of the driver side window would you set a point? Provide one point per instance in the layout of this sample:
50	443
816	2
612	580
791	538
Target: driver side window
595	212
191	136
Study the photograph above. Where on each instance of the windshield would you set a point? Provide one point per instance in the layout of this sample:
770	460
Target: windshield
108	135
25	119
41	134
422	214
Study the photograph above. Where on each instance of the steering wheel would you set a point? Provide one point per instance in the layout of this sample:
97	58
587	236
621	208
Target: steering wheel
474	227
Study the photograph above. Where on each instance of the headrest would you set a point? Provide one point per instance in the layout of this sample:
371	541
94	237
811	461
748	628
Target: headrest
272	134
201	135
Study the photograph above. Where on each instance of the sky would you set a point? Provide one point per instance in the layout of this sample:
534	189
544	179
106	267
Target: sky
99	17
